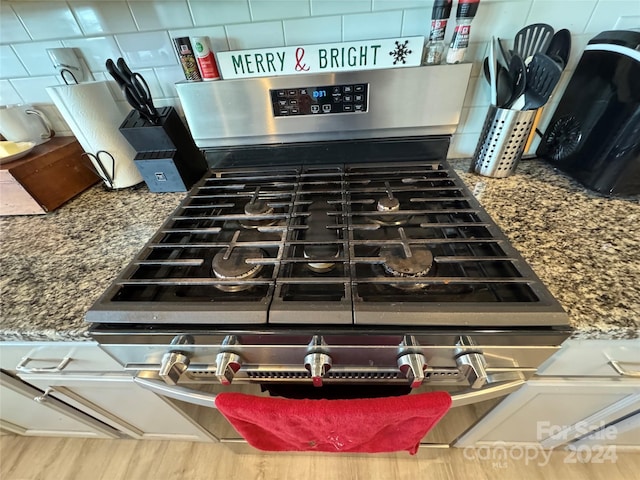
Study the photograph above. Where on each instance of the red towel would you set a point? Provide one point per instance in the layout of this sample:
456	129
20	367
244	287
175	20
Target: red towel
369	425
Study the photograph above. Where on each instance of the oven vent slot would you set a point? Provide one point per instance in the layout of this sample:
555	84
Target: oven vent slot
333	375
363	375
277	374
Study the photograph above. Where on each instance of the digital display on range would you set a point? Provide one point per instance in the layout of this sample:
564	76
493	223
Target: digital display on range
348	98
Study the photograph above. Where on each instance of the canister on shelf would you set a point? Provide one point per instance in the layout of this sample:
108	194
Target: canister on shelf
460	42
434	48
187	59
204	57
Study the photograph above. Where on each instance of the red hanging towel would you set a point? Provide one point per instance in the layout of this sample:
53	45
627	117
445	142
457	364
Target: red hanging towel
370	425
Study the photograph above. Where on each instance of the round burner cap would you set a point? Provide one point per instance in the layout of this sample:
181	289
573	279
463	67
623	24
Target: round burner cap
386	204
396	263
258	207
236	267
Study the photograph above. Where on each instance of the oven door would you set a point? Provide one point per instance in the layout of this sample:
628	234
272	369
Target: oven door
197	400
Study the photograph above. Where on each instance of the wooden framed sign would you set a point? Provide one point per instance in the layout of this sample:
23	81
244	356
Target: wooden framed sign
330	57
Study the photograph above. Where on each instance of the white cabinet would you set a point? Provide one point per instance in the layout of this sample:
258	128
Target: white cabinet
27	411
594	358
80	375
553	412
116	400
588	386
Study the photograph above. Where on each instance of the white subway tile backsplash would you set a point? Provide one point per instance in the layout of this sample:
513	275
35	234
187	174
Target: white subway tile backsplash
143	30
573	15
100	18
161	15
628	22
149	76
255	35
606	14
339	7
34	56
463	145
370	26
60	126
95	50
167	78
401	4
32	89
11	30
475	54
10	66
148	49
416	21
278	9
8	94
498	19
313	30
220	12
474	120
47	20
478	94
217	36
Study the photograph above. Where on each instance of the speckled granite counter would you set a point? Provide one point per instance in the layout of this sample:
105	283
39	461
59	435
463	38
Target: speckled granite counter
585	248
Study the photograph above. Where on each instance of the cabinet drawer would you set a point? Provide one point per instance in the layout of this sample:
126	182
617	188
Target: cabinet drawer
55	357
595	358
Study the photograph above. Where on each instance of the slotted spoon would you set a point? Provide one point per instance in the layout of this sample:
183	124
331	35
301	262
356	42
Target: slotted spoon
532	39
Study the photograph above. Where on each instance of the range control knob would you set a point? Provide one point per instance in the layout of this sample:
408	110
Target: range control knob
471	362
228	362
173	365
175	362
411	361
317	361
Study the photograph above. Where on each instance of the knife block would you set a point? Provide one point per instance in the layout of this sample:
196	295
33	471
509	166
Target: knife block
167	157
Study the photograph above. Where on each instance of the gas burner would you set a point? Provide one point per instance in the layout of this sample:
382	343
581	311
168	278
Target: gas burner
257	208
389	204
398	264
312	252
235	267
318	222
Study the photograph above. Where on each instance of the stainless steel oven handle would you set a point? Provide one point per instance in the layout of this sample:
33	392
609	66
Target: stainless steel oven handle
499	385
458	400
177	393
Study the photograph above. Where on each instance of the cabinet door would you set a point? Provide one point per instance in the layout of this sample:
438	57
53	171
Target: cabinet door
116	400
26	358
21	413
552	412
623	433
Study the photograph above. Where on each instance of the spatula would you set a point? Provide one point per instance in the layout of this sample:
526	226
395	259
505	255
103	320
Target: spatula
532	39
543	74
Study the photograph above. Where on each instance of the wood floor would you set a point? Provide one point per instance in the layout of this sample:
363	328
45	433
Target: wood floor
42	458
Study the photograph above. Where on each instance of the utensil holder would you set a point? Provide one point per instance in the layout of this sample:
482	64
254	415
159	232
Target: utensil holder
502	141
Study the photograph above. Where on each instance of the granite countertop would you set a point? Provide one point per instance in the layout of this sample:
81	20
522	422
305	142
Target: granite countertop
584	247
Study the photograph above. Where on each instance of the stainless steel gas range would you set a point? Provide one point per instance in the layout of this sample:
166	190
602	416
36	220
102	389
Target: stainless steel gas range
331	252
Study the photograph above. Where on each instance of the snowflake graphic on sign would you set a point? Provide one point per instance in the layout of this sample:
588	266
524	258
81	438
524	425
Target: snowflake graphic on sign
400	52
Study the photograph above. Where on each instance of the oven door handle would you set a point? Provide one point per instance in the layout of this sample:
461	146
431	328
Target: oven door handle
177	393
498	385
209	399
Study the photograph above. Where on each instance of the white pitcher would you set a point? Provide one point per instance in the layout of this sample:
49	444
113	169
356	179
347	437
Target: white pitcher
23	123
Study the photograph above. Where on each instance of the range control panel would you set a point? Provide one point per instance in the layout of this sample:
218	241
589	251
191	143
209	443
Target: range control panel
350	98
